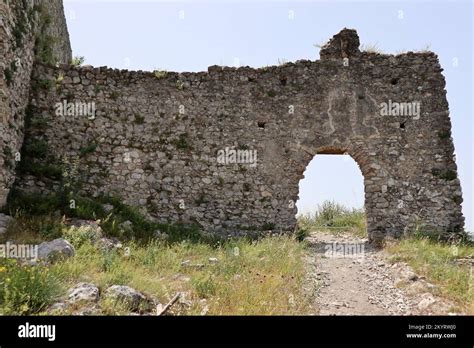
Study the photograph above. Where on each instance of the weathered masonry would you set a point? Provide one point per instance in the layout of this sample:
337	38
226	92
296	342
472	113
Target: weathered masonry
226	148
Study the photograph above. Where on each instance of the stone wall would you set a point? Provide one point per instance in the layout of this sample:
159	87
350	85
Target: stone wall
29	30
163	141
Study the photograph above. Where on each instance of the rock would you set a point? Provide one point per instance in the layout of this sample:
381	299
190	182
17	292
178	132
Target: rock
427	301
134	299
55	249
83	292
188	263
161	235
107	207
5	220
181	277
213	260
108	243
89	310
410	275
204	306
57	308
126	226
89	228
86	223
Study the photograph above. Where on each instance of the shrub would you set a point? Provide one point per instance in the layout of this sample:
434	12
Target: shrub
160	74
331	215
77	60
25	289
78	235
205	287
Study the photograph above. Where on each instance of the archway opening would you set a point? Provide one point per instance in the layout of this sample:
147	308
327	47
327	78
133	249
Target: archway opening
331	195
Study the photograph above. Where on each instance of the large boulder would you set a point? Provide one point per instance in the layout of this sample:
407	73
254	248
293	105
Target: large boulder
133	299
4	222
55	249
83	292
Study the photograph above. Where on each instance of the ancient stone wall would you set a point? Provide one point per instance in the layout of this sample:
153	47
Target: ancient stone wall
227	148
29	30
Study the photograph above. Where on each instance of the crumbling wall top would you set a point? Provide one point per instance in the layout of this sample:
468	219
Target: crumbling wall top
345	44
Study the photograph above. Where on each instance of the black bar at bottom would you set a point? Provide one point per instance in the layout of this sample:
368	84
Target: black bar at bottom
418	331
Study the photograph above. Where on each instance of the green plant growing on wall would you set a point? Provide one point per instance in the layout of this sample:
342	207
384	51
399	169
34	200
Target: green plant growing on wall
444	134
221	181
59	79
69	185
87	149
8	76
36	148
38	122
21	24
77	61
44	42
182	143
448	175
160	74
179	85
8	157
44	84
114	95
9	72
370	48
139	119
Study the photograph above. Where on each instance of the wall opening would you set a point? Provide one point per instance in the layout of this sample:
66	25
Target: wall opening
332	180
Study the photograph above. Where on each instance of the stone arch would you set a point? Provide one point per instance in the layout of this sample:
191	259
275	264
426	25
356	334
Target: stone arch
364	163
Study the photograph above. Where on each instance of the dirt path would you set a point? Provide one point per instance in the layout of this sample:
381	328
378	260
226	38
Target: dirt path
356	279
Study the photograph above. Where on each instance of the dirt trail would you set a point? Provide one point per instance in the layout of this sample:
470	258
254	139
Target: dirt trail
356	279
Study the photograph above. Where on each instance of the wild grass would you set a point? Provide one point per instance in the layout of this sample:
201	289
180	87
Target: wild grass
371	48
262	277
31	209
26	290
249	277
334	217
449	266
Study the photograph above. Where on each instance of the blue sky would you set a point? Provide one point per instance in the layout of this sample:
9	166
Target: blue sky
192	35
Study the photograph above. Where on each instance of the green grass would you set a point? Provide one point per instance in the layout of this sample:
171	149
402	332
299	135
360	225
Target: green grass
77	61
255	280
31	207
87	149
370	48
250	277
26	290
437	261
160	74
331	216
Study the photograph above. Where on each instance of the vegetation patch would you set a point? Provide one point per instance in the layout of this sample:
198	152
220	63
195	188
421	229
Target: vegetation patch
160	74
331	216
448	266
87	149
